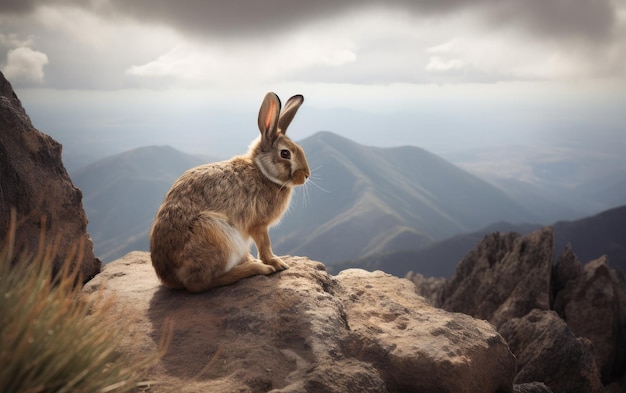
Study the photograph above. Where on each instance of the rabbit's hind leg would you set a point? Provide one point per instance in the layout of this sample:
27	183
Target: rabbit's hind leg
244	270
215	254
197	283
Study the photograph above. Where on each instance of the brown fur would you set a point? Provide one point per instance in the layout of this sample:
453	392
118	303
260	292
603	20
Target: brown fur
200	236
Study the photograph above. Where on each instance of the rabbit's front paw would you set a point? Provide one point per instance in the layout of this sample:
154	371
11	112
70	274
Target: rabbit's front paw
277	263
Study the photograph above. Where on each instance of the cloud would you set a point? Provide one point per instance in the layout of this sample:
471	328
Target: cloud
17	6
496	40
559	19
25	64
13	40
112	44
183	61
582	19
86	50
261	59
485	57
439	64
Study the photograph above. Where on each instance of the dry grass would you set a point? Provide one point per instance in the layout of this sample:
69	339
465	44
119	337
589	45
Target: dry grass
52	339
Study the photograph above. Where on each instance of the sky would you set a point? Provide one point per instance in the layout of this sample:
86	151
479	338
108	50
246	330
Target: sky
103	76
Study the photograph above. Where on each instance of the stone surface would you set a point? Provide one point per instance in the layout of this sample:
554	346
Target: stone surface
548	351
592	301
34	182
505	276
532	387
302	330
567	268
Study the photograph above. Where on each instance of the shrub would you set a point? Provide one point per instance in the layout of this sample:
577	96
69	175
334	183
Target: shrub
54	340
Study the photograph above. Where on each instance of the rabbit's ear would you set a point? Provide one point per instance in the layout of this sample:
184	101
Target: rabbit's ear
287	114
268	117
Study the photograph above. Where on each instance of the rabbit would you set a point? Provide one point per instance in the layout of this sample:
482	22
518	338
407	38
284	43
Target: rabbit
200	238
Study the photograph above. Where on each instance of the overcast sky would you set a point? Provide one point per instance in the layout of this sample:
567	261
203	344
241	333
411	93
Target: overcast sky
445	75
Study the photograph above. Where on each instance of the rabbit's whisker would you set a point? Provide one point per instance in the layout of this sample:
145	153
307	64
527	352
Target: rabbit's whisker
318	186
305	195
314	176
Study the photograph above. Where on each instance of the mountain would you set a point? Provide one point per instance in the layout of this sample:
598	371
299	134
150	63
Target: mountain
365	200
590	238
594	236
122	193
554	182
360	201
437	259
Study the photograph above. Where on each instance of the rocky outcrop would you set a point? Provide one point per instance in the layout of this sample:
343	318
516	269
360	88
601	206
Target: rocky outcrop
532	387
504	277
592	300
548	351
302	330
565	323
34	182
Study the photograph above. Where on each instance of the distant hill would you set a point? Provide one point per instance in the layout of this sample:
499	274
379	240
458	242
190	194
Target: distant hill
594	236
437	259
554	182
370	200
590	238
361	200
122	193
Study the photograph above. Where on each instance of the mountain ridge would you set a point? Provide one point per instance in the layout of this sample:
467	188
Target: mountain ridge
121	194
361	200
554	181
403	190
589	237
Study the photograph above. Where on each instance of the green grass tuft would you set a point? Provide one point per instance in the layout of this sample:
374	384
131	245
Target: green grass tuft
55	340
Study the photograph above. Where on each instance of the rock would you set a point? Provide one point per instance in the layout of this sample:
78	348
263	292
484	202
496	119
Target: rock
618	386
533	387
414	336
567	268
430	288
548	351
507	276
504	277
302	330
35	183
592	301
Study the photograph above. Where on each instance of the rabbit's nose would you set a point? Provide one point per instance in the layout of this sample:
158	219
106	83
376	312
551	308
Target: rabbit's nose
300	176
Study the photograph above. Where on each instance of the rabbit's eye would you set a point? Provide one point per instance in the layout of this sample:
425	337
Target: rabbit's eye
286	154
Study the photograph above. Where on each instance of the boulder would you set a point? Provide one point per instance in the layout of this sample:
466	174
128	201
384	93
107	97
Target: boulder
303	330
548	351
35	184
504	277
592	301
